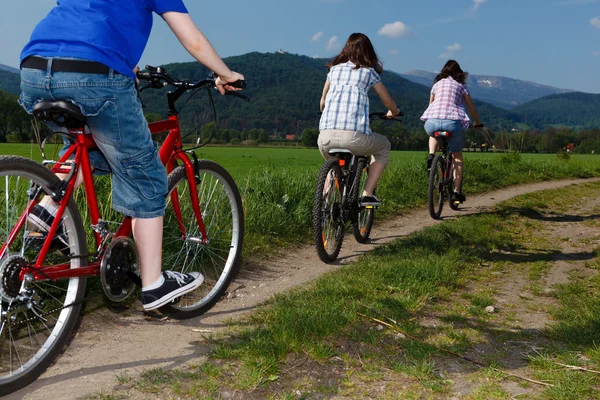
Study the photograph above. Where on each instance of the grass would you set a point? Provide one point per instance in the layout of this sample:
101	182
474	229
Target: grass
277	184
311	335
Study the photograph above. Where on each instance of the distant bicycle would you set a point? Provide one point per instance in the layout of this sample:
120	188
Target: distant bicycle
441	177
339	185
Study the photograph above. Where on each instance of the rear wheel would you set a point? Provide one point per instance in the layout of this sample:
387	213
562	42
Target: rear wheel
436	188
218	256
327	212
36	323
451	202
363	220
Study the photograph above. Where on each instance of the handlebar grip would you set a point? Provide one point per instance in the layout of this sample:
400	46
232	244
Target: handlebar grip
239	84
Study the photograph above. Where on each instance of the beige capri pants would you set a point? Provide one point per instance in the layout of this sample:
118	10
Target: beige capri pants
358	143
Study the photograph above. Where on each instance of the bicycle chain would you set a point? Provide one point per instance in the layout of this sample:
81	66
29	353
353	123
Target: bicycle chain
38	316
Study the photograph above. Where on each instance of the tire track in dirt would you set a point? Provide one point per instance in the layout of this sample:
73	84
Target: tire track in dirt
109	344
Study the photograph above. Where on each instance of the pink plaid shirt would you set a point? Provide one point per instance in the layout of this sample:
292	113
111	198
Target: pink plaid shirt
448	102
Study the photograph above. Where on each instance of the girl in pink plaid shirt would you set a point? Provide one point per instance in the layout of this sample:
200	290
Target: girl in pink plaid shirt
446	112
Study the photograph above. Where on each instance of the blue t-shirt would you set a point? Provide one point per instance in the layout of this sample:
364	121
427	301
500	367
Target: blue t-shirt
113	32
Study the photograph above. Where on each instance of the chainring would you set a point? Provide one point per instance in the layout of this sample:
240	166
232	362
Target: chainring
119	268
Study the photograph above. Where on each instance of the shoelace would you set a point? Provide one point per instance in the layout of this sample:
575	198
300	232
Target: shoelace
178	276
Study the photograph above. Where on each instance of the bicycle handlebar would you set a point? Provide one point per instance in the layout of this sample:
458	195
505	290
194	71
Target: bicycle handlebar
383	115
159	78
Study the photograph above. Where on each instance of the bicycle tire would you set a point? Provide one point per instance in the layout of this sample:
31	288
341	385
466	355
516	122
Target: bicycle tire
219	259
453	205
363	221
327	215
436	188
32	340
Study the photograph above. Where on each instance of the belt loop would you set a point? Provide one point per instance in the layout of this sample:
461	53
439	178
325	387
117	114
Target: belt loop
49	67
111	74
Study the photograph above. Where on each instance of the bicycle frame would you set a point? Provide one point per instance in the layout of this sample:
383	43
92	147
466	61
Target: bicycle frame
170	152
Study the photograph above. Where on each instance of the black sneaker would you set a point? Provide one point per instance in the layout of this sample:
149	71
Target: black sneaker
369	201
40	220
458	196
175	285
429	161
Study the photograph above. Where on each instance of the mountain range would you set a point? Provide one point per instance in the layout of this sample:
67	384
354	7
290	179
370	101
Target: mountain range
286	88
500	91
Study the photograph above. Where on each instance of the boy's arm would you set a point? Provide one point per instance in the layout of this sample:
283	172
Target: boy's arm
200	48
386	99
325	90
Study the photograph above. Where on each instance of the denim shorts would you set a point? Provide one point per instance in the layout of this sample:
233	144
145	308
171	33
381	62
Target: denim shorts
116	121
457	139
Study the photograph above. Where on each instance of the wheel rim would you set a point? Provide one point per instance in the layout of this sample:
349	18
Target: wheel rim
331	212
214	259
30	329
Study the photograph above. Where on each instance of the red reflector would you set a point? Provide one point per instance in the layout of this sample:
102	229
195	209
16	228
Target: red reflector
342	163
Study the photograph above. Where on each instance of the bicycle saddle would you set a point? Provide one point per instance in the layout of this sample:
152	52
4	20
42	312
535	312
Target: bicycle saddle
62	113
335	152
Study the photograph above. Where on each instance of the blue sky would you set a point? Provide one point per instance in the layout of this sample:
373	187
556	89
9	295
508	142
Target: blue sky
553	42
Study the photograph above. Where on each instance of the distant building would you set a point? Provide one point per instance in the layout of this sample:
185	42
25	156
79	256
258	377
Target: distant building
282	51
290	137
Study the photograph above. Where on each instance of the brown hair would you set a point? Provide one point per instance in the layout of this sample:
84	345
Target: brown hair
360	51
452	69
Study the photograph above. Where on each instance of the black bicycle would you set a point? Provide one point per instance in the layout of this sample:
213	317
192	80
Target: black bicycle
340	184
441	177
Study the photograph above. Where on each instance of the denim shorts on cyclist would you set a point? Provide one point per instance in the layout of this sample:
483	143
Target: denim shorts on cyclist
457	139
116	120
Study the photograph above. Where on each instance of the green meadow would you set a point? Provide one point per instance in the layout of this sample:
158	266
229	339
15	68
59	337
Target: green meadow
277	184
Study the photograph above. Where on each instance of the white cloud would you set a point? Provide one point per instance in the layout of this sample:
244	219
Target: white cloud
477	4
451	50
595	22
317	36
333	43
394	30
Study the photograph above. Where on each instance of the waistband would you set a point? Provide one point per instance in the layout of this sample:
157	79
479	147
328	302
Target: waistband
62	65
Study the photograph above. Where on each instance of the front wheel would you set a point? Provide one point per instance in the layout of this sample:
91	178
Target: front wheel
328	224
37	319
436	187
218	255
364	217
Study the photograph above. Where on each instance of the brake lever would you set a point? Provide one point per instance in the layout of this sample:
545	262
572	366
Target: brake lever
236	94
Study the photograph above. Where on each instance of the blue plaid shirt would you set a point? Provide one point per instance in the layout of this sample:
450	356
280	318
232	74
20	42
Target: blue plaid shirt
347	101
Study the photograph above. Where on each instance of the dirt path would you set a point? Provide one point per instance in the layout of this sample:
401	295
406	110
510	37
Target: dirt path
110	344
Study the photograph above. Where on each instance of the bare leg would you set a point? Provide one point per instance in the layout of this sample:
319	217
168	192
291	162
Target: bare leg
432	145
147	233
458	170
375	171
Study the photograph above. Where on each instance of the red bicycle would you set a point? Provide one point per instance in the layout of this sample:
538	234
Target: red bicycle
42	279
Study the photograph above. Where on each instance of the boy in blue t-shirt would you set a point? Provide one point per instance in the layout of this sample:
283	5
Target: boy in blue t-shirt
109	36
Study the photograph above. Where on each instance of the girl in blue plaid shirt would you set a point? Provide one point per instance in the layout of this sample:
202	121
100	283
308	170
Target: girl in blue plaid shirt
345	107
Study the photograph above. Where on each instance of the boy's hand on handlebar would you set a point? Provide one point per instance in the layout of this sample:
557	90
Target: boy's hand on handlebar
223	84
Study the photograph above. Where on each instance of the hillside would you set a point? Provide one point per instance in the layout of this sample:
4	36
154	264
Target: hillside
9	69
579	110
285	91
497	90
10	82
